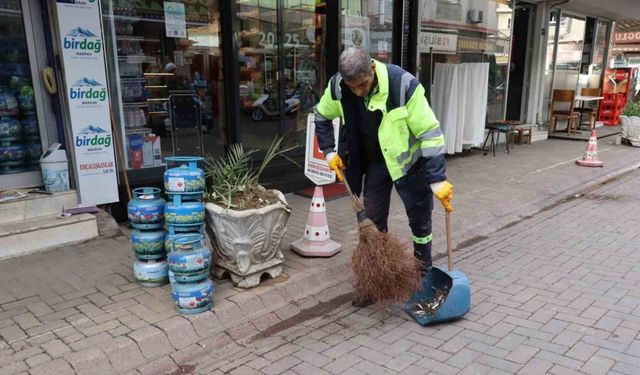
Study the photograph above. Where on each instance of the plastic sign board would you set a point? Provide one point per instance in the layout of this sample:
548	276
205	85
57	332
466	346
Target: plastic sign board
85	78
316	167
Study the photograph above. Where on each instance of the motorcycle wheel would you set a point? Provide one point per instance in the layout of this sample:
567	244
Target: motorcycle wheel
257	114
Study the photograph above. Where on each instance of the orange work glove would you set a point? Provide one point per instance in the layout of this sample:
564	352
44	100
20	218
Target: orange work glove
443	190
336	164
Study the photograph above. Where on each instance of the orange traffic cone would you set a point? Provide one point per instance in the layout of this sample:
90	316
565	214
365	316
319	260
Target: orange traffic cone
316	241
590	157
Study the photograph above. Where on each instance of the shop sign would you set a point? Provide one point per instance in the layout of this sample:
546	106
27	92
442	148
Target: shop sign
439	42
174	20
316	167
627	38
474	44
380	43
88	100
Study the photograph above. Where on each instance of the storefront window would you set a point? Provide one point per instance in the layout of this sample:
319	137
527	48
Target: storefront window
569	53
464	51
278	71
368	24
165	66
20	145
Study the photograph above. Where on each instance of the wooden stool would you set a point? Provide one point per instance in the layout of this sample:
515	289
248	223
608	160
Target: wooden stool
523	134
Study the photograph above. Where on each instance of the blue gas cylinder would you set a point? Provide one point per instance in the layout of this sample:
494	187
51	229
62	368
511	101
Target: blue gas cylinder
186	178
189	260
188	214
148	244
151	272
192	298
146	209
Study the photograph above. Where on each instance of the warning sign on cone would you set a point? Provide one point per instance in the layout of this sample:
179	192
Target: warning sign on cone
590	157
316	241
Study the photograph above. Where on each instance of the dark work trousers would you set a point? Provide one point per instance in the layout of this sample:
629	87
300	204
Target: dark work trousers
416	195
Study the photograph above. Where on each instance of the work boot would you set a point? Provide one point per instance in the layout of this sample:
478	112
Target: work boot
361	302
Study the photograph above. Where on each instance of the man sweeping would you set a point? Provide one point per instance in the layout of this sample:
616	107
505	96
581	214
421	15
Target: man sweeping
392	138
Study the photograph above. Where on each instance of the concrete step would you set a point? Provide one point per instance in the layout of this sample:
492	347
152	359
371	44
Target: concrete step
36	205
45	232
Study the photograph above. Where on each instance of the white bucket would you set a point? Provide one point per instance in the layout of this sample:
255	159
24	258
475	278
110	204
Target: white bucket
55	169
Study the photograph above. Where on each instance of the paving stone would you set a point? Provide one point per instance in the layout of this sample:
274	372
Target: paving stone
123	353
56	367
402	361
597	365
152	342
89	361
281	365
56	348
12	333
164	365
179	331
305	368
37	359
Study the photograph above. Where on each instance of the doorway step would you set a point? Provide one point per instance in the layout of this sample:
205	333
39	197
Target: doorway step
32	224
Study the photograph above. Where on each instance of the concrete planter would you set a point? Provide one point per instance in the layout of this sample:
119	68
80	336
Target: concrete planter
630	129
246	244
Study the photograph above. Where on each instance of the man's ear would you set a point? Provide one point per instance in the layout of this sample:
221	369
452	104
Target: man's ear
373	67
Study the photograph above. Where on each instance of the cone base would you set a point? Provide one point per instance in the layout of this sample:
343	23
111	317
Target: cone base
589	163
323	249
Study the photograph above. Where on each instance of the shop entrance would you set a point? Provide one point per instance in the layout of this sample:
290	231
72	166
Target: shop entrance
519	64
25	106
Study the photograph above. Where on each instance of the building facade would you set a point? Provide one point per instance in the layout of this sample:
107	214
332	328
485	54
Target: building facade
191	77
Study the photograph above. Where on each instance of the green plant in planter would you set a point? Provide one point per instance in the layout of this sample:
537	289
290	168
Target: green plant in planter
234	181
631	109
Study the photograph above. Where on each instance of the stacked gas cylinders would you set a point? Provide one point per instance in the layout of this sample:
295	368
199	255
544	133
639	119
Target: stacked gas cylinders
146	214
189	258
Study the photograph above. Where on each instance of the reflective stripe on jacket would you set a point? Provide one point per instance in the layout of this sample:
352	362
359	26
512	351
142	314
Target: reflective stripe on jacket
408	130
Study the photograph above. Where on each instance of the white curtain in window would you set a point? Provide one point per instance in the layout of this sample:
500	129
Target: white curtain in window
459	100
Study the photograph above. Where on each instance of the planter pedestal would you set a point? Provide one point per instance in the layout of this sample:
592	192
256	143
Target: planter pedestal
252	278
246	244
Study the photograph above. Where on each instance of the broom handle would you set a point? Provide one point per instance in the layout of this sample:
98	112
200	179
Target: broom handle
449	244
354	200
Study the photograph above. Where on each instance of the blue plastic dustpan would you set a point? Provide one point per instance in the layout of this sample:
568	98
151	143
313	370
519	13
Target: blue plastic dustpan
444	295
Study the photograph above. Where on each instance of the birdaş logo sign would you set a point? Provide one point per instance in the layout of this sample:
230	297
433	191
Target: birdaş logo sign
88	89
82	41
93	138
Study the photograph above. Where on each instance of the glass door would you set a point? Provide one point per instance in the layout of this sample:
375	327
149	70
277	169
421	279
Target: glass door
165	62
23	117
281	64
256	28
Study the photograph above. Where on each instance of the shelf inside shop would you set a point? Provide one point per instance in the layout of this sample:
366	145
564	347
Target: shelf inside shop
157	99
135	104
133	38
11	12
155	86
133	79
137	59
138	130
158	74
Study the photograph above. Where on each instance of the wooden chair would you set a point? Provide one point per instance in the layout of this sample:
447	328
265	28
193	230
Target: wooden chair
572	117
591	112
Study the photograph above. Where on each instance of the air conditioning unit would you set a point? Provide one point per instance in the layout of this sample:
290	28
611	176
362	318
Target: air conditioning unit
474	16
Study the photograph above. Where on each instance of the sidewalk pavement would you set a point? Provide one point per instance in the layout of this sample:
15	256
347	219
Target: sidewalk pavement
79	309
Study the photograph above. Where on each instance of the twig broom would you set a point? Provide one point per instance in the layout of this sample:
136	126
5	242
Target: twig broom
383	270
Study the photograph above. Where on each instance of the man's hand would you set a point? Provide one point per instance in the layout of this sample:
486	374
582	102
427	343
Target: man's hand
336	164
443	190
